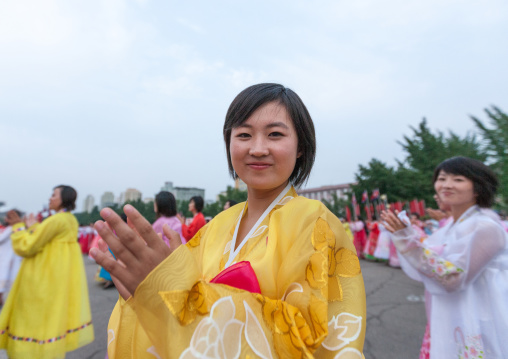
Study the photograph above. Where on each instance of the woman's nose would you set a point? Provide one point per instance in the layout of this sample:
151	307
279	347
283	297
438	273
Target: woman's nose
259	147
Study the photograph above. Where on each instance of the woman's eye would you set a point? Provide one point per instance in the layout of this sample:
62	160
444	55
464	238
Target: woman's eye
276	134
243	135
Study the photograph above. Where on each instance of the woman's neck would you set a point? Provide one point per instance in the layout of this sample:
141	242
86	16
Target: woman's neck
194	212
459	210
259	200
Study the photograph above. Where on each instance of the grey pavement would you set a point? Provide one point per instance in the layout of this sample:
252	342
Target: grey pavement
395	314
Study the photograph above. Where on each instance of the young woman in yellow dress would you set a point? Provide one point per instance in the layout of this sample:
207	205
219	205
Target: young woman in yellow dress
47	312
273	277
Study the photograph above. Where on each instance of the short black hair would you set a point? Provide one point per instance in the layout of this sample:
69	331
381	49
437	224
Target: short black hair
252	98
166	204
68	196
484	179
198	203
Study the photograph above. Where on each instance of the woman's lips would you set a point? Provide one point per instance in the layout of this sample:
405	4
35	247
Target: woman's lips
258	165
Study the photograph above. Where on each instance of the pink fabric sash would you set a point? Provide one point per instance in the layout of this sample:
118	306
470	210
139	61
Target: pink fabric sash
239	275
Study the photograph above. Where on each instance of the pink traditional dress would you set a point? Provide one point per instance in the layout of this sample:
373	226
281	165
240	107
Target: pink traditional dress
173	223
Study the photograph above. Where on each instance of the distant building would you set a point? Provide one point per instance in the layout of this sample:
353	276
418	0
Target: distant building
148	199
107	199
168	186
183	193
326	192
186	193
131	195
88	203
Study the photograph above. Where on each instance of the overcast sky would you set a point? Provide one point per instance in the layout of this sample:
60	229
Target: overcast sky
106	95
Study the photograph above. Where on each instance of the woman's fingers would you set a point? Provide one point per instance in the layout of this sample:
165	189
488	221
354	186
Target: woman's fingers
127	236
115	269
118	247
174	238
142	226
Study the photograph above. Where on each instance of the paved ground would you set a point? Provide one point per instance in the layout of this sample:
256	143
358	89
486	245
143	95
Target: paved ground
395	314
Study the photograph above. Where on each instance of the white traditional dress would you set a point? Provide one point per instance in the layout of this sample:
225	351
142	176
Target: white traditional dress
383	243
9	262
464	267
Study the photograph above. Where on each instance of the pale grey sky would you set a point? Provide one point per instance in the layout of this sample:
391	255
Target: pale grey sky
106	95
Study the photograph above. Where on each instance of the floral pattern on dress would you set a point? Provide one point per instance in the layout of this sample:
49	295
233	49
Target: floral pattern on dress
342	330
437	265
186	305
327	264
470	346
349	353
220	334
292	335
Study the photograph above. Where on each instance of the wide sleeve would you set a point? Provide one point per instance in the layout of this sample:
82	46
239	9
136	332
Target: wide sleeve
454	269
321	310
28	242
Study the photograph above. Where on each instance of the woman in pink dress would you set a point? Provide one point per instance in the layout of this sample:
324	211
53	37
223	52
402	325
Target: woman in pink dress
165	208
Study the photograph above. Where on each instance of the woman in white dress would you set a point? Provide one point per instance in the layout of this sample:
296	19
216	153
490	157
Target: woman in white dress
9	261
464	265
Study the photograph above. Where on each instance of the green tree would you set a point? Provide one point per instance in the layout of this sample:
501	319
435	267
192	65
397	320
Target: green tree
495	142
85	218
232	194
423	151
336	205
212	209
376	174
183	208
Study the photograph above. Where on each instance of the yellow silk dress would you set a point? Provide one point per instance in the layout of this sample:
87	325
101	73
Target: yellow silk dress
47	312
312	301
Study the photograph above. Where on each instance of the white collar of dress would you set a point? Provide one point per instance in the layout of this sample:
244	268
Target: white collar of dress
276	201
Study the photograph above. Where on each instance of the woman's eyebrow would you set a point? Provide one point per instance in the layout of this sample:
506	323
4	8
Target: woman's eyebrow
270	125
277	124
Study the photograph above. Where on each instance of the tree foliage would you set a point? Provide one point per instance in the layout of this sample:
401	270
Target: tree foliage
423	150
336	205
146	209
495	144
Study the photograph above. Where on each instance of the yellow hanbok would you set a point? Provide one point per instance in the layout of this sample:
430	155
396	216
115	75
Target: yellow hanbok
312	301
47	312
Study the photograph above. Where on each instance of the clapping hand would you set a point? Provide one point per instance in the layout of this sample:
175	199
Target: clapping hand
391	222
30	220
12	217
138	249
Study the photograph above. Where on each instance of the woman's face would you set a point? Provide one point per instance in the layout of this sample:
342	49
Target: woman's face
454	190
55	201
192	206
264	148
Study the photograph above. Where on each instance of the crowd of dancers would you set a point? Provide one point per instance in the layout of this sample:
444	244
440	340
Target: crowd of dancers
276	276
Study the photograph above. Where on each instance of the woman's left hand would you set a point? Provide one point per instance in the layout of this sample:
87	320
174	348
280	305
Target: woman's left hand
136	246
